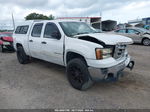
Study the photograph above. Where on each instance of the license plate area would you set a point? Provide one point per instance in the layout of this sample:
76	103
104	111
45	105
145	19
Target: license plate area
6	43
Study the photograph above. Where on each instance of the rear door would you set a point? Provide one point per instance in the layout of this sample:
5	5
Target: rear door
35	40
52	44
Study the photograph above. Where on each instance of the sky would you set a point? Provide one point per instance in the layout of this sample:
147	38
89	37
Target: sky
119	10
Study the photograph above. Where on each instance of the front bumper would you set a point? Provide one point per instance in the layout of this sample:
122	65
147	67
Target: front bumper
8	45
111	73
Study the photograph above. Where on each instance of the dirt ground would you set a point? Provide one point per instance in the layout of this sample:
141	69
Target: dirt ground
44	85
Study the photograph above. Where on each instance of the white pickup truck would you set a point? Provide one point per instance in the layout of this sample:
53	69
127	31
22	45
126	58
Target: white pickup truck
89	56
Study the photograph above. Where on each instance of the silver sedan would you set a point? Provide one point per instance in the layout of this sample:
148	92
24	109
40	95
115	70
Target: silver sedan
139	35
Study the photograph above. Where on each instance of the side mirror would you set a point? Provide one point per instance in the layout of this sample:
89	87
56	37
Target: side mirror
137	33
56	35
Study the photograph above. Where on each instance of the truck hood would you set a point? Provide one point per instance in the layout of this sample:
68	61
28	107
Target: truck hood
109	39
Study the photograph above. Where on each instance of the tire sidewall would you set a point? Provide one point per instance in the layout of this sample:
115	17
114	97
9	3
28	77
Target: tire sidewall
21	55
146	40
84	69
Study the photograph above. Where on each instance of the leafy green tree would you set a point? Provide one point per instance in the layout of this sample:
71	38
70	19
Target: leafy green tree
51	17
34	16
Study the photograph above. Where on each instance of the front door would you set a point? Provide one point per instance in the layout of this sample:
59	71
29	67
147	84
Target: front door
52	44
134	34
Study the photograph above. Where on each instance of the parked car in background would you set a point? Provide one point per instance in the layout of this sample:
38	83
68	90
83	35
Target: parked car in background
6	41
139	35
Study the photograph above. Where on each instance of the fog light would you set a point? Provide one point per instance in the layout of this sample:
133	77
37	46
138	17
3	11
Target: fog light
131	65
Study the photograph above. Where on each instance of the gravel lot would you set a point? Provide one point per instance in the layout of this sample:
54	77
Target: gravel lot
44	85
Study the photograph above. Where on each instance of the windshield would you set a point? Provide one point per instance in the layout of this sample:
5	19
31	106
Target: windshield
76	28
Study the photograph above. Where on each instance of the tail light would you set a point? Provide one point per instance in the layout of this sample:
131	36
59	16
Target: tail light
9	39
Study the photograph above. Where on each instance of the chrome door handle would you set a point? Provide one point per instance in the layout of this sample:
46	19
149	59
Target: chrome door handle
44	42
30	40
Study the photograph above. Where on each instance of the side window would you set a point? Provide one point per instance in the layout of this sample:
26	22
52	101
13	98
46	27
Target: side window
22	29
121	31
37	29
17	30
51	31
131	31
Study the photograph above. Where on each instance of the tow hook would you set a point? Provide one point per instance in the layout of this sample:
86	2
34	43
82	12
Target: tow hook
131	65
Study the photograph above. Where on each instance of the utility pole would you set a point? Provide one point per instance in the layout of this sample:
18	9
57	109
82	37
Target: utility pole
100	20
13	21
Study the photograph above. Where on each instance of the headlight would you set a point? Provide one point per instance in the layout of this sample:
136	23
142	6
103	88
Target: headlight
103	53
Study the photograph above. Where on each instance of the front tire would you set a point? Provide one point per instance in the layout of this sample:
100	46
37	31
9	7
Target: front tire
78	74
21	55
146	42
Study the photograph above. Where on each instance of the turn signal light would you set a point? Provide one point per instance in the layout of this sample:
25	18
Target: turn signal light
99	54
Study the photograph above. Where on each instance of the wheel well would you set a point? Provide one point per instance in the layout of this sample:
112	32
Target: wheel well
144	38
72	55
18	45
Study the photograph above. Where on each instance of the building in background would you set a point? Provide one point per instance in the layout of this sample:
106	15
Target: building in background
144	21
109	25
93	21
121	26
135	22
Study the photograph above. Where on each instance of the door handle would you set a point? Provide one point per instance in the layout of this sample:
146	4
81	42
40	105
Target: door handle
30	40
44	42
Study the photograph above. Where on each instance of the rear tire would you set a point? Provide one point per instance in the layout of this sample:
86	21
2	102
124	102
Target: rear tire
1	48
78	74
21	55
146	42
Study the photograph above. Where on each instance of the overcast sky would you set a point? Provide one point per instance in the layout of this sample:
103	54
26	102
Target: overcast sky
120	10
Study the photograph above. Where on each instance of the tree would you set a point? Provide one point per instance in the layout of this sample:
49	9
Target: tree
34	16
51	17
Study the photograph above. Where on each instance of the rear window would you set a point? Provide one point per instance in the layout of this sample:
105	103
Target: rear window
22	29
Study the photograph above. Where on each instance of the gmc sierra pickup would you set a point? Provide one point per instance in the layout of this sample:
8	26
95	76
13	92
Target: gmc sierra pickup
89	56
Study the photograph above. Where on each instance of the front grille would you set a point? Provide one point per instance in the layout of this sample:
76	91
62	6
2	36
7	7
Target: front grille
119	51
